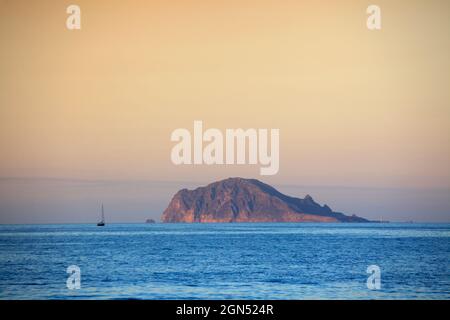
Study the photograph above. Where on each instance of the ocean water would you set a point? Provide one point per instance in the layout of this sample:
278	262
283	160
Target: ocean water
225	261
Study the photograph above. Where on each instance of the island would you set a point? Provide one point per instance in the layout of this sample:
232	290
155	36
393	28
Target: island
247	200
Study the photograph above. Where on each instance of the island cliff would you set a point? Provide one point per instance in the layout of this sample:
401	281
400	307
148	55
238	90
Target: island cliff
247	200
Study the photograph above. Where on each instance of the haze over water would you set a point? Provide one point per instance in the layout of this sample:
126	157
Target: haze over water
225	261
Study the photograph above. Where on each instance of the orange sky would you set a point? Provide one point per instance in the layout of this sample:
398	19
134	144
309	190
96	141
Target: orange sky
354	107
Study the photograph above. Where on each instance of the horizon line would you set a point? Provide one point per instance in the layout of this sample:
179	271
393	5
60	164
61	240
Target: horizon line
203	183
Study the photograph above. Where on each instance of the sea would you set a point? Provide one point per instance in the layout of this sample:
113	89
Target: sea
225	261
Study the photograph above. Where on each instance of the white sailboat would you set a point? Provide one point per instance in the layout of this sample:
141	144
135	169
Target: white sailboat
102	222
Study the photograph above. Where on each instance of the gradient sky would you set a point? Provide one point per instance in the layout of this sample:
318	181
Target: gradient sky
86	115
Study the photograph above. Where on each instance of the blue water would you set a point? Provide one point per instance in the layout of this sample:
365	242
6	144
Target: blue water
225	261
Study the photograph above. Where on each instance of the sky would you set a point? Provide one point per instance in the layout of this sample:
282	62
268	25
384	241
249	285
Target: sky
86	115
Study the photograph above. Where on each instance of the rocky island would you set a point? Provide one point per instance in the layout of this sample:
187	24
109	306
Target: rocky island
247	200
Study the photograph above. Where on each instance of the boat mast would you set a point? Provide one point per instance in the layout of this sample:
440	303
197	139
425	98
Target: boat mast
103	214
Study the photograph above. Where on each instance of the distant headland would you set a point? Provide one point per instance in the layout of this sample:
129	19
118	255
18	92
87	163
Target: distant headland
247	200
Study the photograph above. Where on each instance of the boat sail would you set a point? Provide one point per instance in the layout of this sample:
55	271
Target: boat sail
102	222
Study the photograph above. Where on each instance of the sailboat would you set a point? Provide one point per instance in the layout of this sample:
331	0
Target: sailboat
102	222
